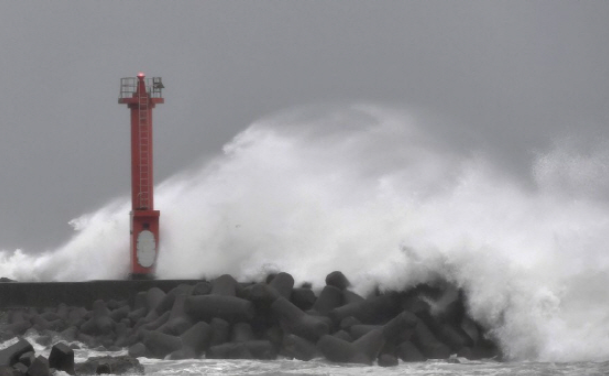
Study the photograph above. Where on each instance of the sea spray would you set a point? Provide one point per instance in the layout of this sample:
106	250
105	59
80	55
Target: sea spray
97	250
368	191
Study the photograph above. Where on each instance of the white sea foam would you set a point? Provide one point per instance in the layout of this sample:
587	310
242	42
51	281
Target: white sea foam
367	191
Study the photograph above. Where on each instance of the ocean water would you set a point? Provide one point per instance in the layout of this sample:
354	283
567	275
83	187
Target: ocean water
292	367
320	367
371	191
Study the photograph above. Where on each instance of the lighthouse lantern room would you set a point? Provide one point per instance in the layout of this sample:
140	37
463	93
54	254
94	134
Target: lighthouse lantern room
141	95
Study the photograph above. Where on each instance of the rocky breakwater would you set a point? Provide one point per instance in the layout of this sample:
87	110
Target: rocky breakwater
20	359
226	319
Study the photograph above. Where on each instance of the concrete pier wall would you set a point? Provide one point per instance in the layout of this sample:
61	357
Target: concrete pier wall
50	294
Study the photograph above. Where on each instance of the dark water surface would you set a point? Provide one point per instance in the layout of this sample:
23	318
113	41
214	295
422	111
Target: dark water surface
220	367
291	367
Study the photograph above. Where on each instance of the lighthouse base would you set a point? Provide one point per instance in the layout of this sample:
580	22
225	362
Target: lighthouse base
144	243
141	277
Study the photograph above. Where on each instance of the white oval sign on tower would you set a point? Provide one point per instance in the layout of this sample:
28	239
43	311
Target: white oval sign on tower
146	248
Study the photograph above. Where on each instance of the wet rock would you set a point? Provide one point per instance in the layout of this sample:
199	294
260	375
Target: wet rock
62	311
467	353
337	350
127	341
122	328
137	350
453	337
428	344
27	358
229	308
299	348
109	365
139	301
155	323
283	283
344	335
386	360
408	352
348	322
229	351
303	298
10	371
242	332
137	314
76	316
338	280
16	315
357	331
50	316
220	331
274	334
183	353
100	323
486	349
269	278
44	340
330	297
15	329
400	328
261	349
262	319
100	308
114	304
21	368
202	288
69	334
120	313
420	309
11	354
295	321
261	294
470	328
168	301
39	367
197	338
351	297
153	297
224	285
370	345
97	326
161	344
178	321
374	310
62	358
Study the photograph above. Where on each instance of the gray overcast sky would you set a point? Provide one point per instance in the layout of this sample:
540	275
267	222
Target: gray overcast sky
513	73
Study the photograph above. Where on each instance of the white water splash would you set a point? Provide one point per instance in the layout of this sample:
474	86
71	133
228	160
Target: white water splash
366	191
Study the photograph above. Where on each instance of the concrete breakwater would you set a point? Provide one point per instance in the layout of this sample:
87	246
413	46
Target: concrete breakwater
226	319
20	359
82	294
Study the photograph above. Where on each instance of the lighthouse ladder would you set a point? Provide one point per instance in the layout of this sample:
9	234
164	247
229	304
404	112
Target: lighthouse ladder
144	152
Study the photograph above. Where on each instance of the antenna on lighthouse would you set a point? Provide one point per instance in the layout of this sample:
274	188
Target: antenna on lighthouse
141	95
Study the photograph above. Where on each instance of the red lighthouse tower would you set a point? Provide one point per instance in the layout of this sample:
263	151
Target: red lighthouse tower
141	95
